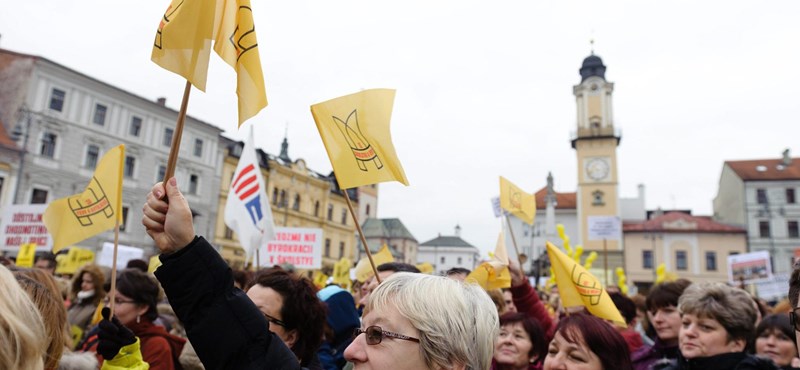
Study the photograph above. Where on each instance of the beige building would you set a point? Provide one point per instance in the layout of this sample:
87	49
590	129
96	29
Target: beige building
691	247
299	197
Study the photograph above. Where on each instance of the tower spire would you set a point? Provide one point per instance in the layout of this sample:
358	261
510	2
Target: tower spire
284	156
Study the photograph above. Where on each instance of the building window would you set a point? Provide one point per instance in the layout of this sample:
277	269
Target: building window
327	248
57	99
367	210
124	223
99	114
763	229
316	209
459	261
228	233
48	148
344	216
761	196
680	260
136	126
793	230
282	203
275	196
194	184
38	196
130	166
296	204
341	249
790	196
3	180
162	171
711	261
330	212
198	147
92	155
167	137
597	198
647	259
441	260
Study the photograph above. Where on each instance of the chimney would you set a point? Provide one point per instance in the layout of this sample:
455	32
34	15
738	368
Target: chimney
641	191
162	101
787	158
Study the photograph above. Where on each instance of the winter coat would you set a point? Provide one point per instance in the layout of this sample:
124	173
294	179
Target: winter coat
654	357
226	329
527	301
725	361
159	348
537	366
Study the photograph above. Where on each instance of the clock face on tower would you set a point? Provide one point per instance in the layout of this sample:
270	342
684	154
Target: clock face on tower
597	169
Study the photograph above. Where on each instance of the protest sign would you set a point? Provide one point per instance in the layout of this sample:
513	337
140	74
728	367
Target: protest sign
22	224
300	247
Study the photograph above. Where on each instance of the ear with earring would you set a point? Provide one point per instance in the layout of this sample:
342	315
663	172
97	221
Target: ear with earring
138	318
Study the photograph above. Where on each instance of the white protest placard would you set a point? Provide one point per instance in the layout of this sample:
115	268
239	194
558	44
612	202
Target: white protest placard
22	224
773	289
749	267
498	211
124	254
604	228
300	247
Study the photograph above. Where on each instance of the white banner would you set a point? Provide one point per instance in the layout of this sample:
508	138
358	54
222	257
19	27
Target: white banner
749	267
124	254
300	247
498	211
604	228
22	224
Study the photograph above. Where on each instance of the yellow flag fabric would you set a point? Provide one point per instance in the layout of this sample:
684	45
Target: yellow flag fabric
493	274
577	287
74	260
26	254
516	201
363	268
341	273
236	44
155	262
183	39
183	46
355	131
81	216
425	268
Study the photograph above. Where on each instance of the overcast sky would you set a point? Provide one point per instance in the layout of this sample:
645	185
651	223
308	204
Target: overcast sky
484	88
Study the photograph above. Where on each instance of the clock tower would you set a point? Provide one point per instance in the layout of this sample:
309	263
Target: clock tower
595	141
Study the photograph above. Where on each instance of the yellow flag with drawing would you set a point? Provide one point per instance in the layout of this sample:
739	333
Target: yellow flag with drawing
26	255
577	287
81	216
493	274
364	269
516	201
355	131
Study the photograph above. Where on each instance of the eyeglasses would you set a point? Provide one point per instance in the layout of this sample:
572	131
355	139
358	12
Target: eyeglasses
117	301
375	335
274	320
793	319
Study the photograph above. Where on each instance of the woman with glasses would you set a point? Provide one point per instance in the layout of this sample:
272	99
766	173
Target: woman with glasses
135	307
415	321
295	314
775	338
717	324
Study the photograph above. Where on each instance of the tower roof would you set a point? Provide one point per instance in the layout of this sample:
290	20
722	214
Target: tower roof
592	66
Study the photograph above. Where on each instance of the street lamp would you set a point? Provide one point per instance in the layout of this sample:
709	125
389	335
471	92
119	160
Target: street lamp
21	134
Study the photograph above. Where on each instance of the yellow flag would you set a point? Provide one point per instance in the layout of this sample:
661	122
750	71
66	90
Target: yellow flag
320	279
26	254
355	131
577	287
183	40
341	273
183	46
364	270
236	44
425	268
493	274
155	262
74	260
78	217
516	201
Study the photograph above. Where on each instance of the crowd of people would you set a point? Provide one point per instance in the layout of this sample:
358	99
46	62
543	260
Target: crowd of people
194	312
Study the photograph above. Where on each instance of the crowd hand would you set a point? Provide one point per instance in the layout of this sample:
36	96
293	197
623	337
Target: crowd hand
515	272
112	336
168	221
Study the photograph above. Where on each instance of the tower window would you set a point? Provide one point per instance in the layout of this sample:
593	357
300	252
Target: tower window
597	198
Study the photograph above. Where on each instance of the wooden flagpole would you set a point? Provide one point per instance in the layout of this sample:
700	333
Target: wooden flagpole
514	241
113	293
361	234
172	162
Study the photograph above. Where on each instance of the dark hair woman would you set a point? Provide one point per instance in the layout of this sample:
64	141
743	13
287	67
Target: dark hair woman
586	342
775	338
521	343
662	310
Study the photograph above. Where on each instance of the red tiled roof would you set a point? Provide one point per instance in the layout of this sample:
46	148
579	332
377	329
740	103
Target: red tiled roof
771	169
563	200
680	222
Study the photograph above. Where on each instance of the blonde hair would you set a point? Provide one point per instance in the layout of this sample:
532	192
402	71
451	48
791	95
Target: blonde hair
54	315
22	331
457	322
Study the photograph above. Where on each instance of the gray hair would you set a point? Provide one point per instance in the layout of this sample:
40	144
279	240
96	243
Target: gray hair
731	307
457	322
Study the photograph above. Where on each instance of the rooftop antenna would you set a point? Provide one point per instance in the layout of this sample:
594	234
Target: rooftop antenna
591	42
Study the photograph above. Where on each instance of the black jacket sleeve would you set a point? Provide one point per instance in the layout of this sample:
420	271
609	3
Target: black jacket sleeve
226	329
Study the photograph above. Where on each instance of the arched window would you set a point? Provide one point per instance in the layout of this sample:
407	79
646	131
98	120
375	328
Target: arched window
316	209
296	205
